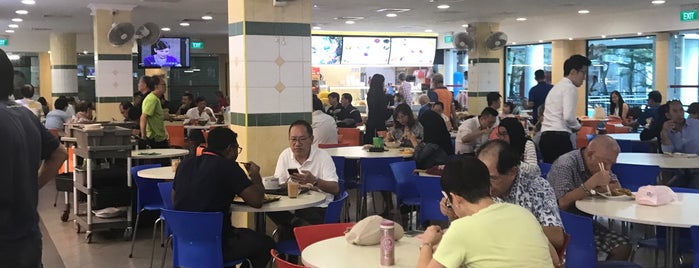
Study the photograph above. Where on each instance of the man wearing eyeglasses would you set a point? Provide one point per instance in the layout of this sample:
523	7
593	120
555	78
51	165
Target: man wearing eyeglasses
315	168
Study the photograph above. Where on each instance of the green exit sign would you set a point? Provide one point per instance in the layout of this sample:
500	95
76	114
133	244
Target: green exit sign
4	42
448	39
197	45
688	15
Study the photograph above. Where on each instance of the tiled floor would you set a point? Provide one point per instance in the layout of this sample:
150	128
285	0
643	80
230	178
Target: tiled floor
63	247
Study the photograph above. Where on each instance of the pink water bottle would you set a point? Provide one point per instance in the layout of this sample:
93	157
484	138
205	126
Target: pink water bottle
387	246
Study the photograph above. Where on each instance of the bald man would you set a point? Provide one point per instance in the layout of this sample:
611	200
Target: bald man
577	175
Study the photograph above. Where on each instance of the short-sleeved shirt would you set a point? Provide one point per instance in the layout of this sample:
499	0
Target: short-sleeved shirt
25	143
416	129
208	183
349	112
536	195
568	172
469	126
155	126
500	235
324	128
685	141
56	118
537	95
319	163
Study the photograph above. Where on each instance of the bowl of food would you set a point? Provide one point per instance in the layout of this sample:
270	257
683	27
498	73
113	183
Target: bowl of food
203	122
392	144
407	151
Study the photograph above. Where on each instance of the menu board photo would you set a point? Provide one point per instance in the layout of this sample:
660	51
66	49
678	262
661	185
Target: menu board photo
326	50
366	50
412	51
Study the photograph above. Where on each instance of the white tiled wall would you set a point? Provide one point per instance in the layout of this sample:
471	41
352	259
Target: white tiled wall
236	48
113	78
484	77
64	80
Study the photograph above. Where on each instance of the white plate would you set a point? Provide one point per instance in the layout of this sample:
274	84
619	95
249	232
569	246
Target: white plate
618	197
681	155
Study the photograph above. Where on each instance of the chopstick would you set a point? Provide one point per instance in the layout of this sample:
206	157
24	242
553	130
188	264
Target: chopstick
601	166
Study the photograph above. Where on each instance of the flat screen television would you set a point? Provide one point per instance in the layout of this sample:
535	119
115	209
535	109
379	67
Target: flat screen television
366	50
326	50
172	52
413	51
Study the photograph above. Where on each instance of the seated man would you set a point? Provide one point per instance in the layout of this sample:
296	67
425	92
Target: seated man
208	183
335	107
315	167
195	115
486	233
680	135
349	116
474	132
577	175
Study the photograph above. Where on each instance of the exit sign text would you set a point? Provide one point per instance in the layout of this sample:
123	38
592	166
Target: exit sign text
197	45
688	15
4	42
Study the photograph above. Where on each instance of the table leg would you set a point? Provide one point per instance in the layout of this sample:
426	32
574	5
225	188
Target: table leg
260	223
670	247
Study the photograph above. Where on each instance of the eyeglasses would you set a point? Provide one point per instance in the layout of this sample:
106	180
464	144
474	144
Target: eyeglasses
298	139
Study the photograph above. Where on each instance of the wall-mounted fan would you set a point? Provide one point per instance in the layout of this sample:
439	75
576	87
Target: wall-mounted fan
463	41
121	33
496	40
148	33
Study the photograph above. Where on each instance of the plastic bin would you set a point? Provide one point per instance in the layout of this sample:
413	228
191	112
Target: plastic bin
106	136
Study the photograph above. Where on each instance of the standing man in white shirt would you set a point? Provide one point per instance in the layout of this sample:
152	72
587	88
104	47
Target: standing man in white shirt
324	127
474	132
560	121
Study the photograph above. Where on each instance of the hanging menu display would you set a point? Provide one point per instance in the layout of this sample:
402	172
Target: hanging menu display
366	50
326	50
412	51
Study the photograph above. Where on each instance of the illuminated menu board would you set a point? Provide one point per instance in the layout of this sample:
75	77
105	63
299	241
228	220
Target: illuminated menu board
326	50
412	51
366	50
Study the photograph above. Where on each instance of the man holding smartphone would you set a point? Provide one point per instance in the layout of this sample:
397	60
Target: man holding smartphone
307	165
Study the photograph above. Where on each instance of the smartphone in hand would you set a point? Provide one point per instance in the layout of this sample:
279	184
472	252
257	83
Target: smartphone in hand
293	171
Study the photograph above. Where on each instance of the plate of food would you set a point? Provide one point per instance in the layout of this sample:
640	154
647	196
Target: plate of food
407	151
680	155
619	194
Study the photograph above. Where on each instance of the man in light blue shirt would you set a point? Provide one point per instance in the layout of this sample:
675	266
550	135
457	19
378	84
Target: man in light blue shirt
680	135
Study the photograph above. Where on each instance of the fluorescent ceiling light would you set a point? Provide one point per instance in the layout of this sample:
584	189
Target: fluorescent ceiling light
31	2
13	26
165	29
584	11
22	12
349	22
207	17
17	20
428	30
391	15
657	2
316	28
443	6
9	31
521	19
184	24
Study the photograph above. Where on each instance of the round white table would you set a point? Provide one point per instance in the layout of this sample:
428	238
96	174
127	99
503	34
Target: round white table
626	136
305	200
337	253
205	127
679	214
158	153
160	173
356	152
661	160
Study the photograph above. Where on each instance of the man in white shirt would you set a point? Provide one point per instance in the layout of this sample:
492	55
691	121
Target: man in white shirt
199	113
474	132
313	167
560	121
324	127
34	106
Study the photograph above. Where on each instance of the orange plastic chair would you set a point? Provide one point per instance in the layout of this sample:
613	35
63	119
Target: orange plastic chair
581	138
307	235
349	136
331	145
176	134
339	138
281	263
611	128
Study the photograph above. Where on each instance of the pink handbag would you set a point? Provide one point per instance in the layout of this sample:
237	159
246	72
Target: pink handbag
655	195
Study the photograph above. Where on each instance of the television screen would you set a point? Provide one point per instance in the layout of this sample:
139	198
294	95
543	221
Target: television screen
170	52
413	51
366	50
326	50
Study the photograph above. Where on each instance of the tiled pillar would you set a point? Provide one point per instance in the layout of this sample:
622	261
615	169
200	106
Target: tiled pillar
64	64
270	74
113	64
561	50
485	67
662	60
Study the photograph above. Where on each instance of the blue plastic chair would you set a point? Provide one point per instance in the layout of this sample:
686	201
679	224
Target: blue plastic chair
165	189
196	239
625	146
339	162
376	176
406	192
545	167
332	215
695	244
640	147
581	247
685	190
430	195
148	198
634	176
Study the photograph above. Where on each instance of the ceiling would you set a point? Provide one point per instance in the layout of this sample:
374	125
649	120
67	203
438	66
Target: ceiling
74	16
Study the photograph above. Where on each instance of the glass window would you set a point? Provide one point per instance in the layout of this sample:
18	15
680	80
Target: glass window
520	64
684	64
620	64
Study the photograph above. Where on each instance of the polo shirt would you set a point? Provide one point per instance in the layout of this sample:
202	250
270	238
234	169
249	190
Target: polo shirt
319	163
500	235
56	118
25	143
324	128
467	127
537	95
155	126
208	183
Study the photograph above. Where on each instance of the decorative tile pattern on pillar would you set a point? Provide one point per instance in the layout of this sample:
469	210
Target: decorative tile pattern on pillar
115	79
485	77
64	80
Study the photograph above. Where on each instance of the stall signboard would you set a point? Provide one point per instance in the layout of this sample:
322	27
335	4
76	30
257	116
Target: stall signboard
326	50
366	50
412	51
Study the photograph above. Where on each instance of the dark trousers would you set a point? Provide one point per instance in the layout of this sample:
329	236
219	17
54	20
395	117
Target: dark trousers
554	144
241	243
286	221
157	144
21	253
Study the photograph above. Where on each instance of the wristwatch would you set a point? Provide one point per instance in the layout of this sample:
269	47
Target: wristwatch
589	192
424	245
